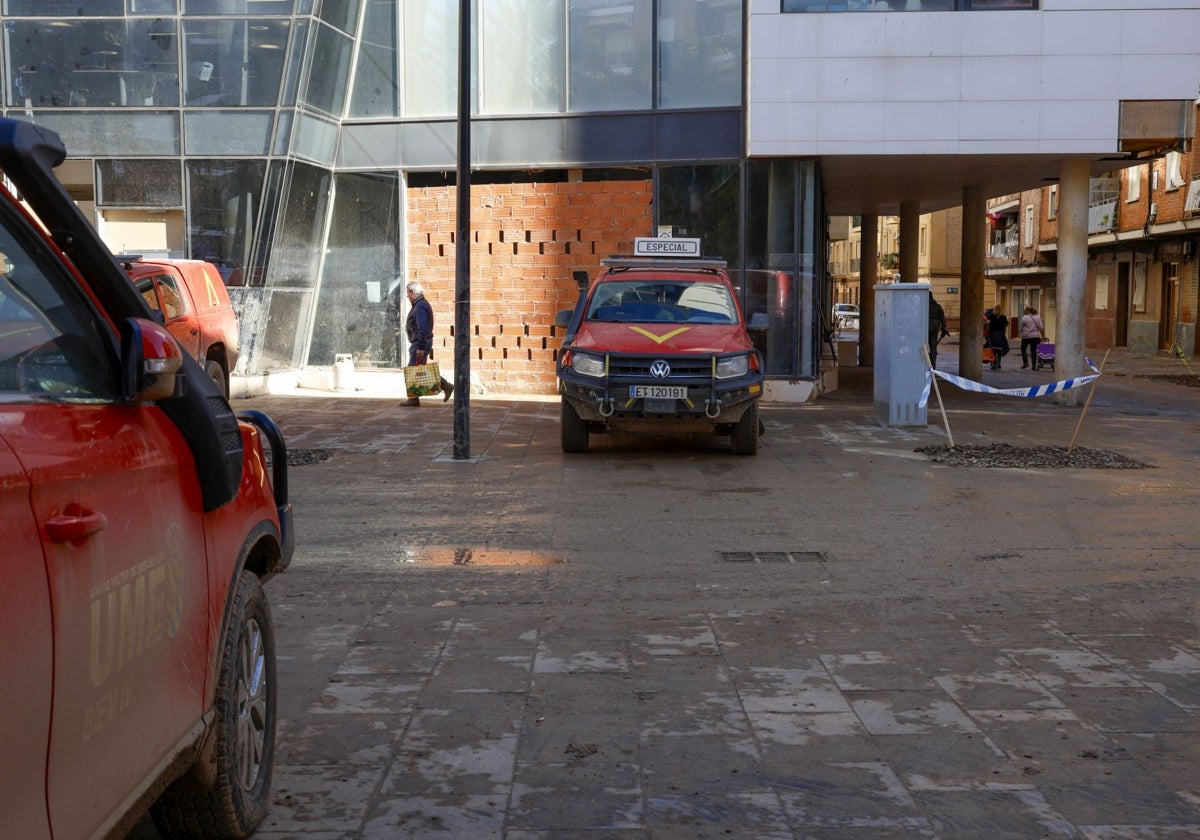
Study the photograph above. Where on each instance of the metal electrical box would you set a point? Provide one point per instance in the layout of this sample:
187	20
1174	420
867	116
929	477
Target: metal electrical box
901	328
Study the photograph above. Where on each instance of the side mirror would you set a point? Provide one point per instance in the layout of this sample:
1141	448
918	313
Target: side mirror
151	358
563	318
759	321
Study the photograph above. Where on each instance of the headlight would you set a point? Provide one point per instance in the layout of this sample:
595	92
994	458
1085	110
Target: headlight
587	365
732	367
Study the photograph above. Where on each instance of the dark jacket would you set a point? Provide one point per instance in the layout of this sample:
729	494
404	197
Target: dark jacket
419	325
998	333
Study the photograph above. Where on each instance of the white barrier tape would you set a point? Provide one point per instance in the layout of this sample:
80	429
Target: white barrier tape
1035	391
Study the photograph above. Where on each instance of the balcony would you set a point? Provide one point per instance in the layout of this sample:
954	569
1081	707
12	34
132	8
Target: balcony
1102	216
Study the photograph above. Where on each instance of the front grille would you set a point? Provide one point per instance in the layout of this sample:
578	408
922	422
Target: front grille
681	368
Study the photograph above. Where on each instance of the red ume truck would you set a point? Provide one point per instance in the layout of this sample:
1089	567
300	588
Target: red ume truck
140	518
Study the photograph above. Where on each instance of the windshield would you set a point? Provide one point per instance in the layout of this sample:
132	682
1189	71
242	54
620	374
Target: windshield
658	301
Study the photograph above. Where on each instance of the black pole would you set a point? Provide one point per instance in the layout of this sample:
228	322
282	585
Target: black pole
462	244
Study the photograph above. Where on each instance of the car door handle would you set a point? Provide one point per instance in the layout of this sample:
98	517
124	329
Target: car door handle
74	525
195	331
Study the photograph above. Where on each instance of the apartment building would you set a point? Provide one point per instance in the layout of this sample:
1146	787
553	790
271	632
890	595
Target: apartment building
1143	281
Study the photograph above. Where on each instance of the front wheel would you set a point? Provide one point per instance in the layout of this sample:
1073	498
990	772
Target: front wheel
216	372
236	802
574	430
745	432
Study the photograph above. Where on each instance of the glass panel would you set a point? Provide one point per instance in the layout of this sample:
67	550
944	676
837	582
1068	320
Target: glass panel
298	246
82	63
353	313
329	71
702	201
109	133
227	132
430	58
63	8
770	277
234	62
237	7
611	55
522	57
700	53
223	201
342	14
375	91
260	259
139	183
144	7
295	64
316	139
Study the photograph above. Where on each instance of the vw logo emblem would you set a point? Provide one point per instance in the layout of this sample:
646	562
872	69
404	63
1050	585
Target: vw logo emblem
660	369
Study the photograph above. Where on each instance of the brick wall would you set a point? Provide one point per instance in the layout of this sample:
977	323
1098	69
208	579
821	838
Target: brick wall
526	241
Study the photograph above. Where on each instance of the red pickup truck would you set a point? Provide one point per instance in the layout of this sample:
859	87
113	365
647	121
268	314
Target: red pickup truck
659	344
195	307
140	519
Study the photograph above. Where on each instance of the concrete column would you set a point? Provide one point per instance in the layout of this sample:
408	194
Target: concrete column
974	249
868	276
1072	277
910	242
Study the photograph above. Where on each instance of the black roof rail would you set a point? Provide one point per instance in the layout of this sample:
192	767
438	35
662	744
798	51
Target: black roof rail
703	263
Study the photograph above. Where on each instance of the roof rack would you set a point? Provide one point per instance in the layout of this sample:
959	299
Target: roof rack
707	264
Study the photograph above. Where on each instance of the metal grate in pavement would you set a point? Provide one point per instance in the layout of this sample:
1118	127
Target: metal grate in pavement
772	556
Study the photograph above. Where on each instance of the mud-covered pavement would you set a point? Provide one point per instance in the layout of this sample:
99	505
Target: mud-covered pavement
837	638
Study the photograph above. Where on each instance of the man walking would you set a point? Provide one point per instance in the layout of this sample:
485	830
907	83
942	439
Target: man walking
419	327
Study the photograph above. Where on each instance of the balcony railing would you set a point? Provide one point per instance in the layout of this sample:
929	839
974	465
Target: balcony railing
1102	216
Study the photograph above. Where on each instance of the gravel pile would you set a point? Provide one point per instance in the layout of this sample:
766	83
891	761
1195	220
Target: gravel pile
303	457
1035	457
1174	379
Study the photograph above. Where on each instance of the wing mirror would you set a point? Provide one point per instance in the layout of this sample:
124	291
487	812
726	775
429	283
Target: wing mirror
759	321
151	359
563	318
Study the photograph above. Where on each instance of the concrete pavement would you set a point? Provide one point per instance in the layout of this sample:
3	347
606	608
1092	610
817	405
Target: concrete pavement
656	639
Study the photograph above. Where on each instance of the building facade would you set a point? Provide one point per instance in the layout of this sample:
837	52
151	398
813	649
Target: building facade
308	147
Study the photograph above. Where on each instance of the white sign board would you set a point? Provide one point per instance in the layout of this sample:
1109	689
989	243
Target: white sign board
645	246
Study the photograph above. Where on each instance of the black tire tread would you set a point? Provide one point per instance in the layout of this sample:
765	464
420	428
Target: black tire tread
189	810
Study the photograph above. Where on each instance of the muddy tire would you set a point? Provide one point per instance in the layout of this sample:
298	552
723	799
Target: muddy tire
574	430
236	802
217	374
745	432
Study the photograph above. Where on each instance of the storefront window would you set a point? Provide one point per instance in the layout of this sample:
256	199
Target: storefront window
702	201
430	57
375	84
611	52
521	56
234	62
699	53
780	273
329	71
355	311
139	183
92	63
224	205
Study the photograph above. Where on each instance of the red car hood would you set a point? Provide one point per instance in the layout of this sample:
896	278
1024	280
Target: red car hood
648	339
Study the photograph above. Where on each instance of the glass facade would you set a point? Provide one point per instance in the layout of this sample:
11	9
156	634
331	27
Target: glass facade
286	133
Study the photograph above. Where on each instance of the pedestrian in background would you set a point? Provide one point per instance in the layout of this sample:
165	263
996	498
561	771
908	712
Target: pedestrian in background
998	335
937	328
1033	330
419	328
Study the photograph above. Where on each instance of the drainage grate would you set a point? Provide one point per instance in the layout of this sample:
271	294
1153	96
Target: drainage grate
772	556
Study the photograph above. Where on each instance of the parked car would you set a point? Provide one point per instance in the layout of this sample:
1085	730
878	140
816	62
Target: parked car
195	307
141	518
660	345
845	316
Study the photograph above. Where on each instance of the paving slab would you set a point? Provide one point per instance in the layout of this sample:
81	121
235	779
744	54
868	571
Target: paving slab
836	638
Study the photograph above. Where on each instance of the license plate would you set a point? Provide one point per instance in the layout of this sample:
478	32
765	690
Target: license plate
658	392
